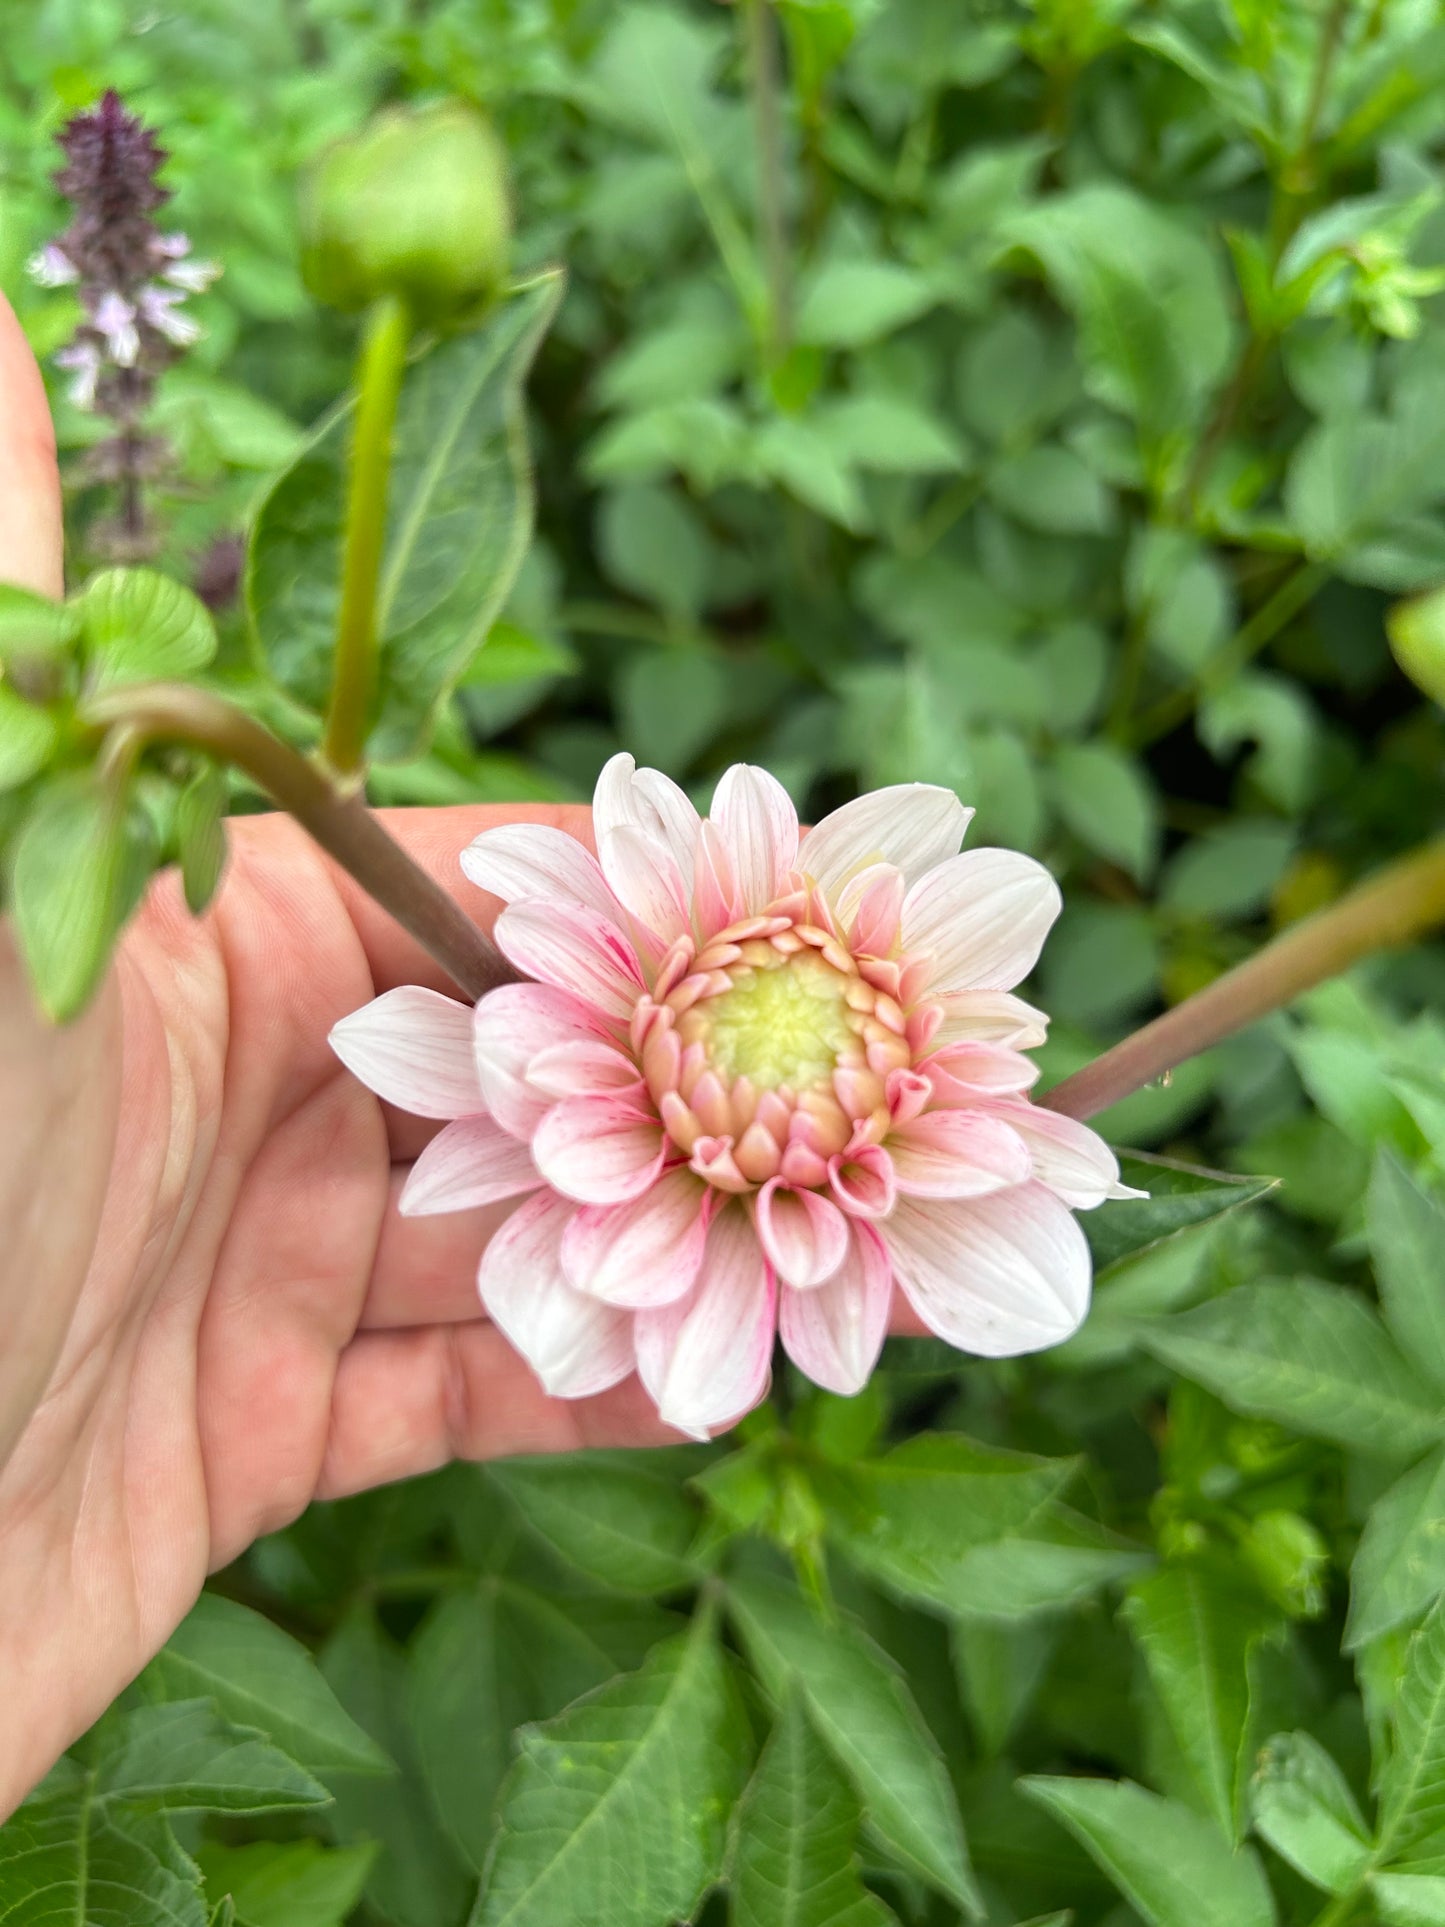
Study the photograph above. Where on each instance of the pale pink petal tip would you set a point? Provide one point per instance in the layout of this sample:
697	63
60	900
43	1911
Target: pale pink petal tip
413	1047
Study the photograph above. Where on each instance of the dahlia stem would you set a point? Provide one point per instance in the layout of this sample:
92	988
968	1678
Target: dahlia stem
380	370
338	820
1396	906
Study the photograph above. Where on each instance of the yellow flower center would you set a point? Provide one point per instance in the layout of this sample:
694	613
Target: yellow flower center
786	1023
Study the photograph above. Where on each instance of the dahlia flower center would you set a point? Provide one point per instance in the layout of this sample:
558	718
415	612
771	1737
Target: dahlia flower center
784	1023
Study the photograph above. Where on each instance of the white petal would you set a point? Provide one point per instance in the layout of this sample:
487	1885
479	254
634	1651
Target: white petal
835	1333
912	826
957	1154
598	1150
706	1359
646	800
645	1253
962	1074
804	1234
414	1048
583	1068
995	1276
644	876
759	826
575	1344
1073	1161
990	1017
532	860
517	1023
472	1161
983	916
573	949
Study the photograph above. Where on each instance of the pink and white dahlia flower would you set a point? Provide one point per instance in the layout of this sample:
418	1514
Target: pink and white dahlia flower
757	1081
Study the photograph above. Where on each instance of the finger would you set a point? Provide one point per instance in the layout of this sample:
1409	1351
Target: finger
426	1268
31	543
407	1402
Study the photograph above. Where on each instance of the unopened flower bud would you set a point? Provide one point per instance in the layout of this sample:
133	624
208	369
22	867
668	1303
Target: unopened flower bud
416	206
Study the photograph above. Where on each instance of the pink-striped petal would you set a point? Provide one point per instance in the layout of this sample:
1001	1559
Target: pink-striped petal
599	1150
533	860
983	917
863	1181
1073	1161
471	1161
574	949
646	800
716	899
645	1253
646	880
705	1360
994	1276
576	1345
990	1017
913	826
804	1234
517	1023
962	1074
870	908
835	1332
414	1048
759	827
957	1154
584	1068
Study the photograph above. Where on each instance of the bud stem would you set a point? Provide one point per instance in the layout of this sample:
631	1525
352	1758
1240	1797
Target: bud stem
1396	906
340	822
379	373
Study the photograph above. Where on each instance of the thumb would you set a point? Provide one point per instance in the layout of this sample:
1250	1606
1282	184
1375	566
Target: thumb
31	542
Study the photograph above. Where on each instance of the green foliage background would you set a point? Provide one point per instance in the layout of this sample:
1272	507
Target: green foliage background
1069	454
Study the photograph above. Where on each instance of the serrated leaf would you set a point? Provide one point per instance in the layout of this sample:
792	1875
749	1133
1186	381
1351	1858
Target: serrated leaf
27	737
184	1757
259	1676
619	1517
793	1860
1303	1808
1412	1784
1406	1228
1175	1868
1195	1629
458	522
143	627
866	1718
1311	1356
80	863
287	1883
201	835
1399	1566
1179	1196
493	1659
618	1808
61	1854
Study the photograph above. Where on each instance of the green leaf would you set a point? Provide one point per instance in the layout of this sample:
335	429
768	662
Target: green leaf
624	1795
1173	1867
805	463
418	1879
1311	1356
793	1857
1409	1899
890	435
652	544
1180	1196
259	1676
1412	1784
143	627
458	523
620	1517
1406	1227
63	1860
80	864
201	835
1399	1566
849	303
287	1883
491	1660
673	702
185	1757
27	737
865	1716
1304	1809
1358	483
33	625
1051	489
1230	871
1108	803
1195	1630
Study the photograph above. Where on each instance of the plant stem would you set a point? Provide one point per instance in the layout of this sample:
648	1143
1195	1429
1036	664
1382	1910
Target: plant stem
1337	1911
379	372
339	821
762	30
1396	906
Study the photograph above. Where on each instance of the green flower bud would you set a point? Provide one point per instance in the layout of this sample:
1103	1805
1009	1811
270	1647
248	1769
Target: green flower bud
416	205
1417	635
